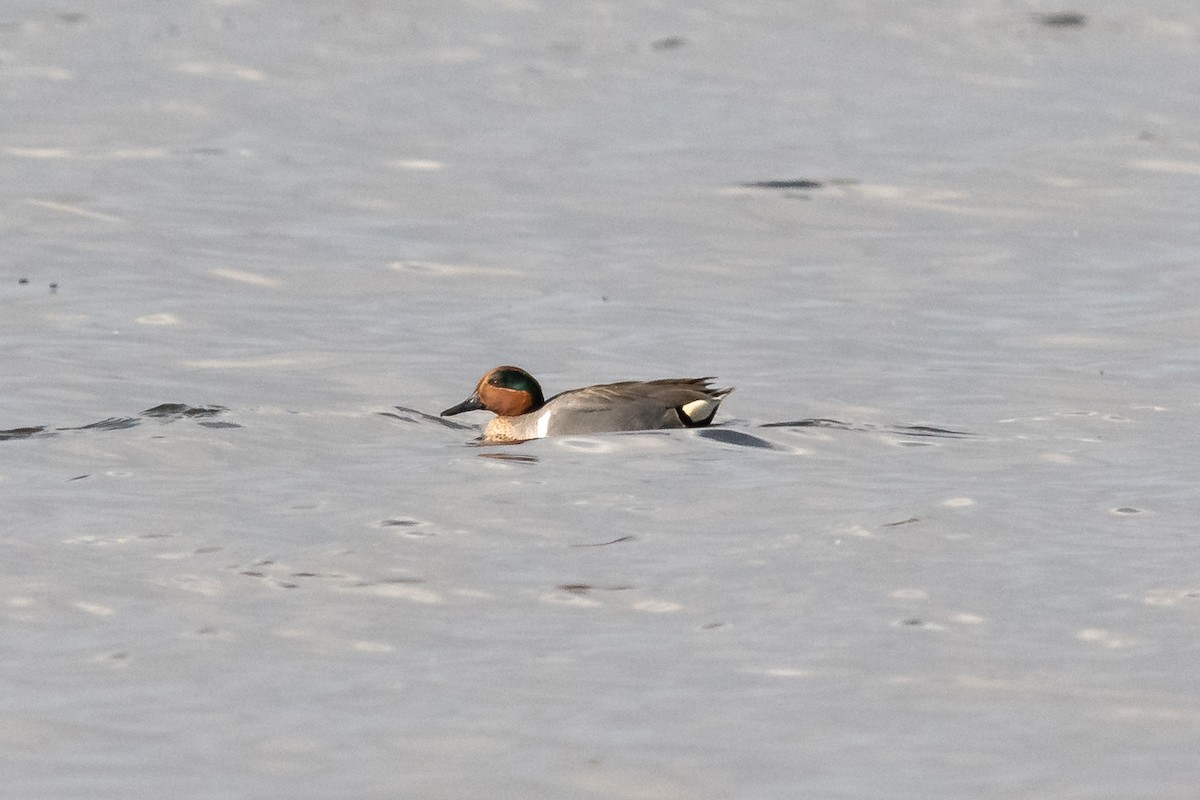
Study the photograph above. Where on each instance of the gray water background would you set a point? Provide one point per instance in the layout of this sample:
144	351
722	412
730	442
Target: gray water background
308	214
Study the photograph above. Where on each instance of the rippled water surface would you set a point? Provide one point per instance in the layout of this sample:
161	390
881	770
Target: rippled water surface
940	543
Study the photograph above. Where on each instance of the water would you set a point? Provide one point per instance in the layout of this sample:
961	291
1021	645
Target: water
976	577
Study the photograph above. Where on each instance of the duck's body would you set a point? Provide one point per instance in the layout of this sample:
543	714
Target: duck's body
521	413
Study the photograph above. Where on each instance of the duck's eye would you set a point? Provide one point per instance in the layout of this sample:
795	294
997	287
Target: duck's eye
508	380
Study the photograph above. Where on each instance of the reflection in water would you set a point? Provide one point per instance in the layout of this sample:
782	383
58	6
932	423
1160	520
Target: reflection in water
728	436
903	430
22	433
628	538
173	411
936	433
511	457
809	423
1061	19
416	417
165	413
789	183
584	588
110	424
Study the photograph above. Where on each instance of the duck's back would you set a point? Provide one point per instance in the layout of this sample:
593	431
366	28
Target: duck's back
632	406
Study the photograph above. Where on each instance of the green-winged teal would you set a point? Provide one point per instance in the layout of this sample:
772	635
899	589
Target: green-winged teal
521	412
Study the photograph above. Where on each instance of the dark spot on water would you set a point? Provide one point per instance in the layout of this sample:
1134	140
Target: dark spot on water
53	288
512	457
182	411
408	527
937	433
110	424
164	412
1062	19
920	431
21	433
709	626
414	416
1127	510
908	521
629	538
787	184
203	551
583	588
913	621
668	43
121	656
727	436
252	573
78	478
23	281
809	423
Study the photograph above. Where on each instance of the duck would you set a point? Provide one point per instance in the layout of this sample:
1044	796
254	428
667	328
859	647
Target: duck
522	413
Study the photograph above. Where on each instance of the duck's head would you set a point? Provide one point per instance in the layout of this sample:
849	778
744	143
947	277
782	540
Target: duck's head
505	391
